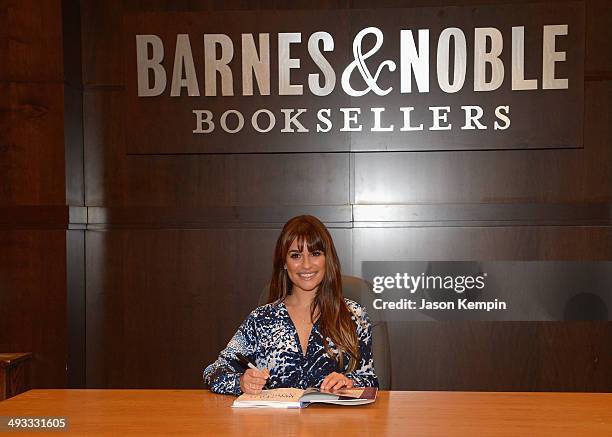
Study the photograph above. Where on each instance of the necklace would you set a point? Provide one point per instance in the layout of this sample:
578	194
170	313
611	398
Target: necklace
303	320
307	321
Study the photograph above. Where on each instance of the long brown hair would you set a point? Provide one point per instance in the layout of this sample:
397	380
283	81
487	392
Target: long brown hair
334	315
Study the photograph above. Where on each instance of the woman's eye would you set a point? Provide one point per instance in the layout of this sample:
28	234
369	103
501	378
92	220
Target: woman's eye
295	256
316	253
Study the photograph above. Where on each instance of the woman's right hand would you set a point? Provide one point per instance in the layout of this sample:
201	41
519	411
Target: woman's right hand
252	381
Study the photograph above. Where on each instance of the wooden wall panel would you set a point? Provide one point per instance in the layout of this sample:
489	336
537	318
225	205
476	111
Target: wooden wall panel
75	308
31	41
502	243
32	147
524	356
102	65
73	146
33	301
114	178
504	356
41	171
153	295
161	304
599	22
579	175
104	18
71	44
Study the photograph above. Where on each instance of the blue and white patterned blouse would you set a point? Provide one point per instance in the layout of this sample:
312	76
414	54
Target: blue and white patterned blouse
268	338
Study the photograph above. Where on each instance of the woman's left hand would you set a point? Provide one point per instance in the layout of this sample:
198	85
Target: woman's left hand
336	381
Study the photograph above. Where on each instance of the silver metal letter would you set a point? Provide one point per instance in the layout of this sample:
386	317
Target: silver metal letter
550	56
443	63
258	64
286	63
411	59
212	65
144	64
183	59
482	58
518	61
322	63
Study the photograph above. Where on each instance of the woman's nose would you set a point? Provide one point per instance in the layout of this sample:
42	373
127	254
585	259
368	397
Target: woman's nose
306	263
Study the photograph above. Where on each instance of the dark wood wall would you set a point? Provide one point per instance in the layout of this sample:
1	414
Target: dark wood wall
140	278
42	215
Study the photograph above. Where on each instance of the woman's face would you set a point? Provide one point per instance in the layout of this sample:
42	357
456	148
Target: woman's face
305	269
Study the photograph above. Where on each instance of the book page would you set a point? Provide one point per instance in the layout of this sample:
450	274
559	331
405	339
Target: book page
350	392
274	395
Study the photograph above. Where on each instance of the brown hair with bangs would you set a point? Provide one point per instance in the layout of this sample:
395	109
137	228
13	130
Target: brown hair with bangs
334	315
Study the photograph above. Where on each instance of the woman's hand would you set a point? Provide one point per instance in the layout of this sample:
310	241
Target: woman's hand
252	381
336	381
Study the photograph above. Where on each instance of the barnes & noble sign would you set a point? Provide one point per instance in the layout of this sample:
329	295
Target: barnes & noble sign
481	77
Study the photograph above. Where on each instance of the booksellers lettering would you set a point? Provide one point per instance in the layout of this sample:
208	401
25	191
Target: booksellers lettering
442	78
413	65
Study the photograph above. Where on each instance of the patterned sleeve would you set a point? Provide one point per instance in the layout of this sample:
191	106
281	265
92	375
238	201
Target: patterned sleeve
223	376
364	375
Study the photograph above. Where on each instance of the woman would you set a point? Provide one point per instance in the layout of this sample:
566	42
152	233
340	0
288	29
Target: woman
307	335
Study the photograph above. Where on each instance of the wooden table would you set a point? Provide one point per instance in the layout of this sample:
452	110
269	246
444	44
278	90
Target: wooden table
199	412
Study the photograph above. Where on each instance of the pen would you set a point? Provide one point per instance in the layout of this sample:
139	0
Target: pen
246	363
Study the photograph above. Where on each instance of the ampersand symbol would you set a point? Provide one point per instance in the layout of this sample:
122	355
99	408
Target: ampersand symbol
359	63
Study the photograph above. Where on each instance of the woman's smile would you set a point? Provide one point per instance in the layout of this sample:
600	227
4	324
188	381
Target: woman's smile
307	275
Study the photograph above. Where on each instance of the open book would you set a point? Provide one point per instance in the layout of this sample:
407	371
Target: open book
297	398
